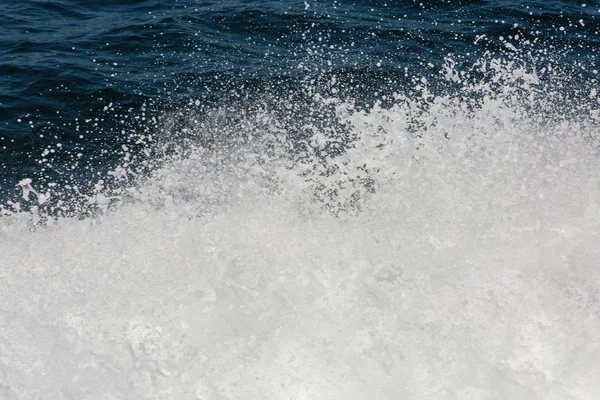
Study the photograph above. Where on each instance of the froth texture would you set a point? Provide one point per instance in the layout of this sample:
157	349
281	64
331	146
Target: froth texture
450	252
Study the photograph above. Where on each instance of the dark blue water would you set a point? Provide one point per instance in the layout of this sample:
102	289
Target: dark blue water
77	78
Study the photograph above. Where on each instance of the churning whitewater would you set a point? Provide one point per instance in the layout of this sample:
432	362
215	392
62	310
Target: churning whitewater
307	201
450	251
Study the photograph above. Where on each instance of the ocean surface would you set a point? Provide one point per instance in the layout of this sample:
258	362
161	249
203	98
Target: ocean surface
299	199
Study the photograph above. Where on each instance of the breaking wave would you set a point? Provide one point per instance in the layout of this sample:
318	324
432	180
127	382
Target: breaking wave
436	244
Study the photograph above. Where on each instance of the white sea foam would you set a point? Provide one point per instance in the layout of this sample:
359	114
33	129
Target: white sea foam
450	253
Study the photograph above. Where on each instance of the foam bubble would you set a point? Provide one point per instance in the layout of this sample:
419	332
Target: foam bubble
441	247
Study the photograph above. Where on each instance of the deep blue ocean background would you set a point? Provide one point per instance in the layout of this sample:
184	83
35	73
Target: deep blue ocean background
77	77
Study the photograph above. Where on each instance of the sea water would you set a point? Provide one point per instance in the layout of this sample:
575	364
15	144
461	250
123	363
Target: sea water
300	200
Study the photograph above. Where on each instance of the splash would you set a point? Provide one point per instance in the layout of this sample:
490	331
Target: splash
428	246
